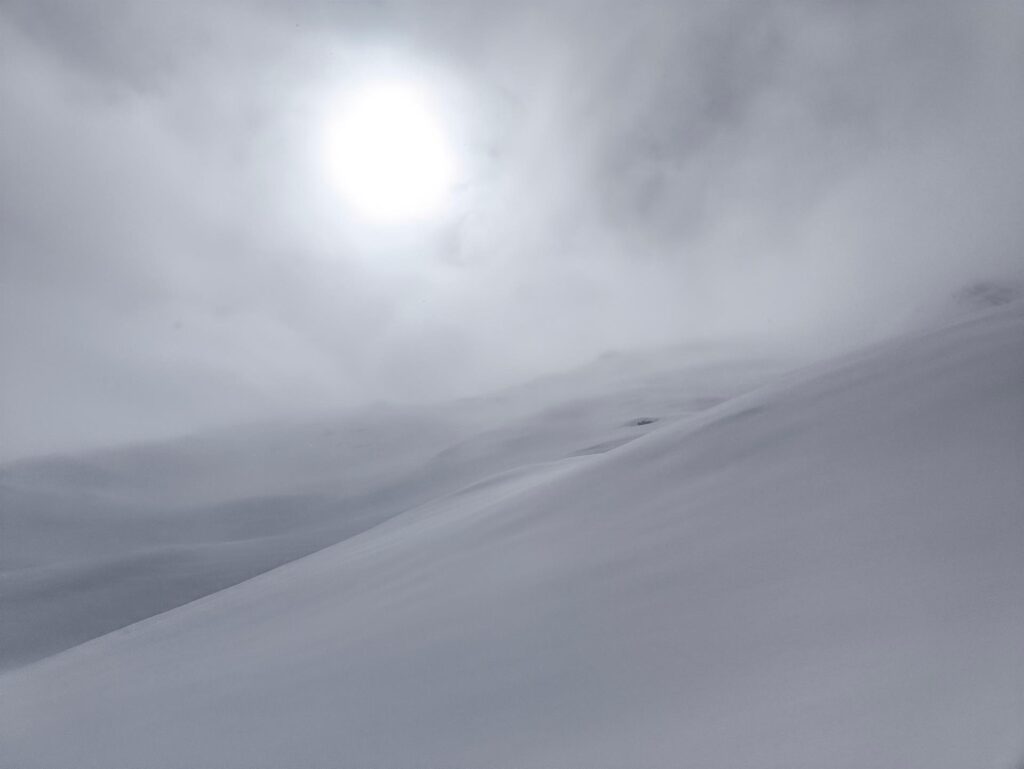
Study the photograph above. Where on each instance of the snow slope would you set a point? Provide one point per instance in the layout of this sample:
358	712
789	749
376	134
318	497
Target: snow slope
94	542
825	573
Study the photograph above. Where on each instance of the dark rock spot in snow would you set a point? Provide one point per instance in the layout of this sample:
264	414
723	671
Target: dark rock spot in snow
641	421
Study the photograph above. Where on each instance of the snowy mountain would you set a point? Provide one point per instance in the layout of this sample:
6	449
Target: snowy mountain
823	572
94	542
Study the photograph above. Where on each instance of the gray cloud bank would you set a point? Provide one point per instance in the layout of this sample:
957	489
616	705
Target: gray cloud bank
635	173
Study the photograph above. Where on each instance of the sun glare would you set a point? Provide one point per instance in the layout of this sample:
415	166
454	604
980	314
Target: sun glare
388	155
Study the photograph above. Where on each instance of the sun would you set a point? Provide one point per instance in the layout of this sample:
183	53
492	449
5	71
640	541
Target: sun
388	154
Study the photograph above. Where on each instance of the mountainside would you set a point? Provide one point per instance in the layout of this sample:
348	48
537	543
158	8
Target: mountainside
824	573
94	542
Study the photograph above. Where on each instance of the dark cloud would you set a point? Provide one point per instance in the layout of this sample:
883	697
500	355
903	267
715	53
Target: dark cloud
636	173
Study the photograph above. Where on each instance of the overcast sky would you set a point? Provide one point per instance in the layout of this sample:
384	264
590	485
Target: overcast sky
630	173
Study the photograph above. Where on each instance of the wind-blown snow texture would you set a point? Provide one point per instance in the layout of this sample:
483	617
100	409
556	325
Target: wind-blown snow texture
825	573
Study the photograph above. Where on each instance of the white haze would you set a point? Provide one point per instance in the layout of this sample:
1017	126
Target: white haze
809	174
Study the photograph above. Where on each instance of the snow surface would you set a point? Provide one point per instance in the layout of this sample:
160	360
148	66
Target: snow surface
828	572
93	543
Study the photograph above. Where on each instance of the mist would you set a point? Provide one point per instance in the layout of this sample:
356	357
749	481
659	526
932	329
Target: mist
806	175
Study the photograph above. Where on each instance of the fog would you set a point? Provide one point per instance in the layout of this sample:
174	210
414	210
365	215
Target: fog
807	175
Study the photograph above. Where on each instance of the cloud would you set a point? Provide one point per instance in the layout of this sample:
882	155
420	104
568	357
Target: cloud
636	173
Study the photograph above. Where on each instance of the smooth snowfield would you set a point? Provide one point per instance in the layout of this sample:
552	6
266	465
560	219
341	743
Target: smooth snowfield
94	542
826	573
